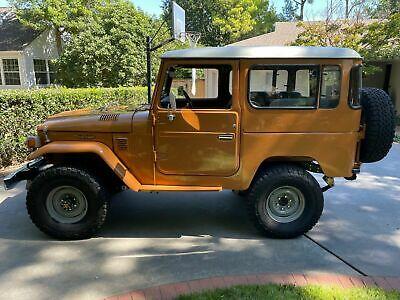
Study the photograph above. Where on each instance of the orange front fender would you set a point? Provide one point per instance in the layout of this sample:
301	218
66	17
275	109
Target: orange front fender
91	147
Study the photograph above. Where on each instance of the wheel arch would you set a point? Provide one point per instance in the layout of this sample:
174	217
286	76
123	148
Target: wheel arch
306	162
93	151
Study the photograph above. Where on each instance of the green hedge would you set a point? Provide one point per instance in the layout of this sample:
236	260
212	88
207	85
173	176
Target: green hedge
22	110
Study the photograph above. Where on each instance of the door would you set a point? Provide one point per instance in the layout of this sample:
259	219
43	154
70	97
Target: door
200	137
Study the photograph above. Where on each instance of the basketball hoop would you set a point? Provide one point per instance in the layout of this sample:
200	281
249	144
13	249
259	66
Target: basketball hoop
192	37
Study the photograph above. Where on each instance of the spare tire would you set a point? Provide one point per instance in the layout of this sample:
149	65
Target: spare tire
378	115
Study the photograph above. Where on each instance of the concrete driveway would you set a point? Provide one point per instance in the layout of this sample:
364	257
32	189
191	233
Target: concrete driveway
152	239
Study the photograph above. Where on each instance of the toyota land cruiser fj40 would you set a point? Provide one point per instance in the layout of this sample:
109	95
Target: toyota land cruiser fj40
255	120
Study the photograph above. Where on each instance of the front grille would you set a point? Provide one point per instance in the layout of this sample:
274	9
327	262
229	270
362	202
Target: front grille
109	117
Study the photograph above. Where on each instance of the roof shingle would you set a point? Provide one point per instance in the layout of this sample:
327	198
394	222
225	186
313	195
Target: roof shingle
14	36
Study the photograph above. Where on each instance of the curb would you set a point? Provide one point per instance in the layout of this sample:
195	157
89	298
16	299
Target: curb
173	290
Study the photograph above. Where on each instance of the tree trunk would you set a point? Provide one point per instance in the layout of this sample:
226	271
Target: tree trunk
347	9
301	16
58	41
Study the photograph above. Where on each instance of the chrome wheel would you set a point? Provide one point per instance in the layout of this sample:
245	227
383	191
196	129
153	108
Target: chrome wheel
285	204
66	204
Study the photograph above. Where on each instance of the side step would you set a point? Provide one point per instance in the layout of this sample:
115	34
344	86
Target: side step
179	188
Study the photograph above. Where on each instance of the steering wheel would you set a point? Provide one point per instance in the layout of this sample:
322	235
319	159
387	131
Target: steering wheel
189	101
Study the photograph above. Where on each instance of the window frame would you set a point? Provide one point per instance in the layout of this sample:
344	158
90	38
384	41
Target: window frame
285	107
2	80
340	85
4	72
351	86
195	65
47	72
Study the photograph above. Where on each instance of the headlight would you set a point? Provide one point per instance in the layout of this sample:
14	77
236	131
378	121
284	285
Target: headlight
33	142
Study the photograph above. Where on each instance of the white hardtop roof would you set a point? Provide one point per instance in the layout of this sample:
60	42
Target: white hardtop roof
262	52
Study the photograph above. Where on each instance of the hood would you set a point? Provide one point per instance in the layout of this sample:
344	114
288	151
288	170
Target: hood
115	119
87	111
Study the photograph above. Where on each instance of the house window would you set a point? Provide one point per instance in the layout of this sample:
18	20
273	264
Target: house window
11	72
284	86
44	71
51	67
40	68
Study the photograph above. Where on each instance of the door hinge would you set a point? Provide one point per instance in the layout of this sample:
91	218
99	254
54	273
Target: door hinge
361	132
155	155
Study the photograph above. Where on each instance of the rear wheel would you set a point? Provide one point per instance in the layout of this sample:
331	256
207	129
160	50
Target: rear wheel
67	203
285	201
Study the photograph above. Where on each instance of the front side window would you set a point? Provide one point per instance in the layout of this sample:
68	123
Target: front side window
199	87
330	87
284	86
11	72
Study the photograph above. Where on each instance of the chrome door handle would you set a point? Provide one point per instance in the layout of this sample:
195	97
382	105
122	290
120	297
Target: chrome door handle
171	117
225	137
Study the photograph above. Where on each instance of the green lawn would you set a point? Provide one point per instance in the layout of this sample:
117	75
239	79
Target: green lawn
272	291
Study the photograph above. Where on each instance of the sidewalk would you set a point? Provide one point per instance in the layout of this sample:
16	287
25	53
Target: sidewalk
171	291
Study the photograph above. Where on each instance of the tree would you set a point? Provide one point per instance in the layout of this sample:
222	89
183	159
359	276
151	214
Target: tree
289	11
63	16
374	41
385	8
301	4
382	40
357	9
221	22
265	18
110	51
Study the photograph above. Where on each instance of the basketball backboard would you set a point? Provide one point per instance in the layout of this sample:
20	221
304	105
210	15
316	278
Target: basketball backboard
178	22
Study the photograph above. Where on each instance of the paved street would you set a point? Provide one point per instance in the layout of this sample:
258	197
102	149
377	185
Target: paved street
152	239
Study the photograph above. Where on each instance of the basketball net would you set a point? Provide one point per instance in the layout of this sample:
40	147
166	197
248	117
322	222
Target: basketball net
193	38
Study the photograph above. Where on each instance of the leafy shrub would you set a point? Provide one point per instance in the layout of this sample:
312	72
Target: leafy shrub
22	110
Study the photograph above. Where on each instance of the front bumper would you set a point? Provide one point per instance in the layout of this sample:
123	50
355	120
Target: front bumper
28	171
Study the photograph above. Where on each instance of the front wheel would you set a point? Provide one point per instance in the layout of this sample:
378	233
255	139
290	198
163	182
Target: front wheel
285	201
67	203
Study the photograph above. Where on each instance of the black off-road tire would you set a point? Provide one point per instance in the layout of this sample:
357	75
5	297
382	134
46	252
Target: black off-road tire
96	195
280	176
378	115
240	193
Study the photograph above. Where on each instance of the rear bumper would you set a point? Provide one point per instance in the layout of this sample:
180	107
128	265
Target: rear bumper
28	171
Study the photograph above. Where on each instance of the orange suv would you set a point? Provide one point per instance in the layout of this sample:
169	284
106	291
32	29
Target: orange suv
255	120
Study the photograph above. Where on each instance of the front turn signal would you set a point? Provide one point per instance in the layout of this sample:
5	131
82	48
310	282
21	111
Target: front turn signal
33	142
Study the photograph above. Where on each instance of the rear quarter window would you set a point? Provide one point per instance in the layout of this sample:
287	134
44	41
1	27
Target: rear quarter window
355	87
284	86
330	87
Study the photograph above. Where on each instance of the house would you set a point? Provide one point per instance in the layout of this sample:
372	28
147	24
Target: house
388	78
25	54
